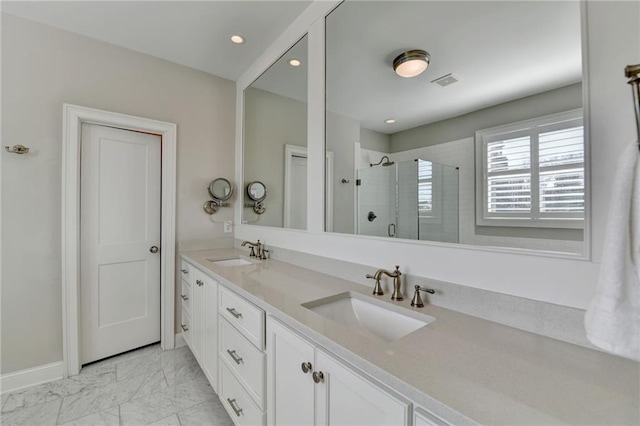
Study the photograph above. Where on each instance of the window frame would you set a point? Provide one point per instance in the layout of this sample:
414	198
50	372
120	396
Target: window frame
532	128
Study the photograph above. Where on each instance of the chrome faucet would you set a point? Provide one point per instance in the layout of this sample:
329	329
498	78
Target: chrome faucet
258	246
377	289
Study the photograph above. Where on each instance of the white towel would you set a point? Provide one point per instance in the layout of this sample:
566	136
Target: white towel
613	319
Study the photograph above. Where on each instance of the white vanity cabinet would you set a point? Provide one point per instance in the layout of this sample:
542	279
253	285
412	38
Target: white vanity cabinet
200	319
241	327
306	385
185	295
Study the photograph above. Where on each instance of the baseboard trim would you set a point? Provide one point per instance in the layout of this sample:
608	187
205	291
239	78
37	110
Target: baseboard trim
31	376
180	342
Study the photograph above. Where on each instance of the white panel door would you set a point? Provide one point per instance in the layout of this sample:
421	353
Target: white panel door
120	223
290	389
347	398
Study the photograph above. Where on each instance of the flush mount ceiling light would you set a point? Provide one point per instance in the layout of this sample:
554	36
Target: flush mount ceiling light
295	62
411	63
389	121
237	39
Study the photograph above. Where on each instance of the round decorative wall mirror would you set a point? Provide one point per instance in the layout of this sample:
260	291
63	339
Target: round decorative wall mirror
220	189
256	191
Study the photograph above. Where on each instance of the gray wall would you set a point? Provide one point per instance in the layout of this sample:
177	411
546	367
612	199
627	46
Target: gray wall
464	126
341	135
270	122
42	68
375	141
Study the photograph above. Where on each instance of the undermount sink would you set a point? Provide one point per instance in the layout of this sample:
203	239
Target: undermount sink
232	261
355	311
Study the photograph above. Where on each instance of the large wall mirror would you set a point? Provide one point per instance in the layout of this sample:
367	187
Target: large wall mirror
484	147
275	141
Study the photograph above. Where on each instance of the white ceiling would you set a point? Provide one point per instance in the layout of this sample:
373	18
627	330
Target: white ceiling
501	50
191	33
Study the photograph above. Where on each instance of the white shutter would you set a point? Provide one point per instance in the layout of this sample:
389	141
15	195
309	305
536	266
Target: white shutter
532	173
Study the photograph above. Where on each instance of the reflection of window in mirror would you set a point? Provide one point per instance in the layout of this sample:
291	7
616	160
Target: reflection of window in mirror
372	113
532	173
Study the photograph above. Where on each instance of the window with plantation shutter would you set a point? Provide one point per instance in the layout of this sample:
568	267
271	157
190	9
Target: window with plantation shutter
425	189
532	173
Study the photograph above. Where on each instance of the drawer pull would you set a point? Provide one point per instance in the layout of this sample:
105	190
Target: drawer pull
234	356
184	327
184	297
232	403
318	376
235	313
184	271
200	283
306	367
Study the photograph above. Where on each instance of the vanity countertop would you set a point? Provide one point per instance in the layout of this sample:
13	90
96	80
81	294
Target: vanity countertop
461	368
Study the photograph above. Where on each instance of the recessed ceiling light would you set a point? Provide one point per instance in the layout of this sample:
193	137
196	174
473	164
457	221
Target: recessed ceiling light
237	39
389	121
295	62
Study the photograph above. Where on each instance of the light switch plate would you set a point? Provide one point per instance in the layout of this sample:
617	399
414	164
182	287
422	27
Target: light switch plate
228	226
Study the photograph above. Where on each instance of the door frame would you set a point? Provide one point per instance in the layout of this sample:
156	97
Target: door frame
301	151
73	116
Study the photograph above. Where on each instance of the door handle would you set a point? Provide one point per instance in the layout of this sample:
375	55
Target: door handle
153	249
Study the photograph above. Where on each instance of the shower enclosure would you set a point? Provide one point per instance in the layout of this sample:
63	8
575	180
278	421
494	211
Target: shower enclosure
415	199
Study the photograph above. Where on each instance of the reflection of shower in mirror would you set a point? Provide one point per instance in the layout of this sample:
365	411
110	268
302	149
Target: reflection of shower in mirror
416	199
383	163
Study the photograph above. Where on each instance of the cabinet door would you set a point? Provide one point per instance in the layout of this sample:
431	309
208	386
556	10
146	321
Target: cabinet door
290	391
345	397
210	356
197	314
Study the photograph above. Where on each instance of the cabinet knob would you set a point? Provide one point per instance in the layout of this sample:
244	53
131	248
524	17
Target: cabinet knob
153	249
318	376
306	367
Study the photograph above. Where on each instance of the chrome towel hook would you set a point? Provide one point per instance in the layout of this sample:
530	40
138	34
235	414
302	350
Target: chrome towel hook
17	149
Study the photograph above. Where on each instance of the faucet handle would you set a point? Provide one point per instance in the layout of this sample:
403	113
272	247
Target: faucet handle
417	300
377	289
252	253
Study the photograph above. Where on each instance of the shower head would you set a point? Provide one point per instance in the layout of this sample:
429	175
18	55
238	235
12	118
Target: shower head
383	163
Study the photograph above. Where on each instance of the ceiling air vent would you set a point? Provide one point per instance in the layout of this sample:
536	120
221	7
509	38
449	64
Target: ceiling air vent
447	80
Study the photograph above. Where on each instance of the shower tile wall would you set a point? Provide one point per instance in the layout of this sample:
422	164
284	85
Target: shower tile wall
376	194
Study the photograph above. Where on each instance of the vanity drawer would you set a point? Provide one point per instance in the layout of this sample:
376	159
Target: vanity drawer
245	316
185	326
185	296
186	270
242	410
244	359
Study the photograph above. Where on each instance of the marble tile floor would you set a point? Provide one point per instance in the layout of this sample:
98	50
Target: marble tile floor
143	387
